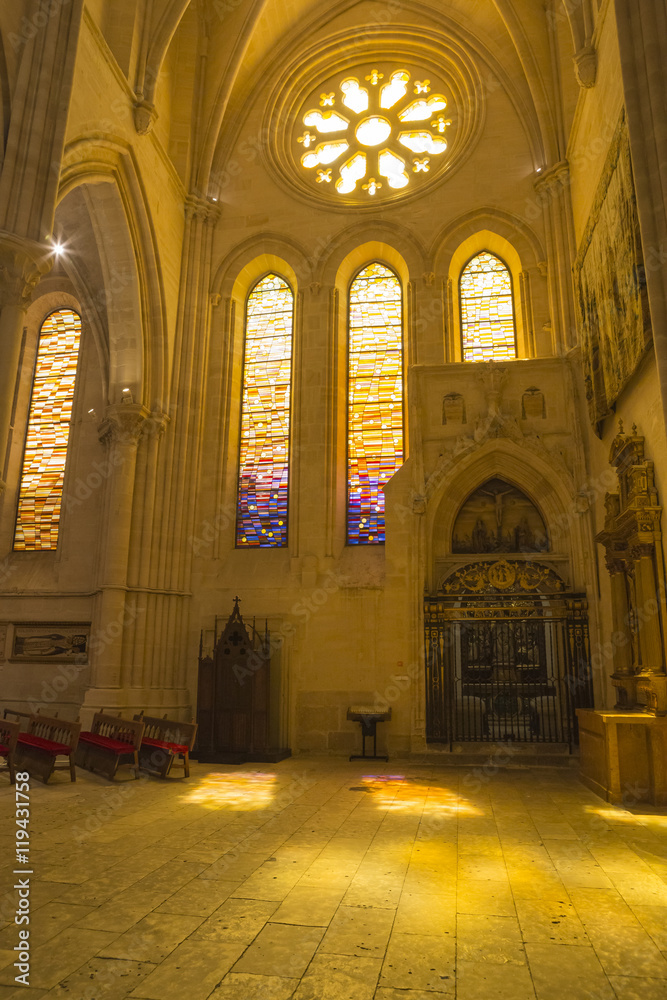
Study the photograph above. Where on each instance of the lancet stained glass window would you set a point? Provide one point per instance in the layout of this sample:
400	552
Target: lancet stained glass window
261	518
375	399
43	473
487	310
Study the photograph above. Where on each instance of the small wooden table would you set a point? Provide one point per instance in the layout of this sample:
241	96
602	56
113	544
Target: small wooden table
369	716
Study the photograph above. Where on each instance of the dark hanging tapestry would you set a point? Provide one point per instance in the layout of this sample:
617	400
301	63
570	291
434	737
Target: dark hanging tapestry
610	284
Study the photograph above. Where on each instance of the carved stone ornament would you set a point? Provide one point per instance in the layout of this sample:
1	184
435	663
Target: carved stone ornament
504	576
123	424
145	116
454	409
22	264
586	66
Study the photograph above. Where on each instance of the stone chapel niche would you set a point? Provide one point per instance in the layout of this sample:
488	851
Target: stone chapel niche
498	517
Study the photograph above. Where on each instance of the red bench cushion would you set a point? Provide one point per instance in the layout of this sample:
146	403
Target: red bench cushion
27	739
4	751
174	747
115	746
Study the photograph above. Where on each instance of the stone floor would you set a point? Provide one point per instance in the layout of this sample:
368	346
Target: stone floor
318	879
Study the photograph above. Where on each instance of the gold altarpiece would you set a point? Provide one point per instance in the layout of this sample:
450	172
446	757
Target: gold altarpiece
624	750
632	541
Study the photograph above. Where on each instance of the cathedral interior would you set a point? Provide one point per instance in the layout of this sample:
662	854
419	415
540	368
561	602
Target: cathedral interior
320	316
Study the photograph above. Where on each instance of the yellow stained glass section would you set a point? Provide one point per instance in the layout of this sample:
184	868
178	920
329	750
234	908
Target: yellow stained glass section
43	473
487	310
265	416
375	399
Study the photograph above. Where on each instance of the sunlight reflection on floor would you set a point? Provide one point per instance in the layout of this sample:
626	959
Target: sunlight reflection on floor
244	790
397	793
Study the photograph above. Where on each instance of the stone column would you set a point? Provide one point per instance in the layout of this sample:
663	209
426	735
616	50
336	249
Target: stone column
22	264
120	431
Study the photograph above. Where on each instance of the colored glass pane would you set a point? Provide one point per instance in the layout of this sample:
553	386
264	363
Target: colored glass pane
43	473
261	518
375	399
487	310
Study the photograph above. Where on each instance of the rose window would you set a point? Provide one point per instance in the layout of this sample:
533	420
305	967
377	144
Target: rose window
374	133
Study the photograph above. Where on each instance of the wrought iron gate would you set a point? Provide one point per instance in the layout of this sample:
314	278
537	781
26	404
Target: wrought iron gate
511	667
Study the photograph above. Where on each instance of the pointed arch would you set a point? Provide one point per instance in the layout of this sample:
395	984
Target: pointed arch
132	298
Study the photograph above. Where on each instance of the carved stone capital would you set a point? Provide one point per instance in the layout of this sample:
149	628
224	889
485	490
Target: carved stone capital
201	209
553	178
586	66
22	264
145	116
124	424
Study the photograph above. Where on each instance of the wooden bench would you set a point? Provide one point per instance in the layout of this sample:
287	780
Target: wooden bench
9	734
47	739
111	743
165	741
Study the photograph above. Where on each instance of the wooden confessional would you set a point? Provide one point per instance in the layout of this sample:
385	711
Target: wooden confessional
234	696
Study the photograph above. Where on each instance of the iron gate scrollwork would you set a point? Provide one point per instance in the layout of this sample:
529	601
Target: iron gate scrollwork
506	665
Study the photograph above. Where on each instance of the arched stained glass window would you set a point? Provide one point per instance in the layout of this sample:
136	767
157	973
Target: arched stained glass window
375	399
487	310
261	518
45	457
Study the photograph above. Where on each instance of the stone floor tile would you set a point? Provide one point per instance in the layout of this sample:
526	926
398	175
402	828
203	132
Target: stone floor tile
236	920
46	922
425	962
636	988
382	892
550	921
21	993
200	897
152	938
280	950
654	921
101	978
238	986
567	971
123	911
387	993
482	938
357	930
309	906
628	951
530	883
339	977
422	914
486	897
59	957
192	971
481	981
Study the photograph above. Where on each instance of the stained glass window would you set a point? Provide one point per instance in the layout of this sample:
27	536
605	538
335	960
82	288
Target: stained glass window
43	474
375	399
261	518
487	310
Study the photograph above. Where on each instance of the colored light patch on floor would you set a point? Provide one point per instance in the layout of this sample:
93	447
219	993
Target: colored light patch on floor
397	793
243	790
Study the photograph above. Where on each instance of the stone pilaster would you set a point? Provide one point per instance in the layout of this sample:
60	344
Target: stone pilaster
22	264
120	431
553	188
